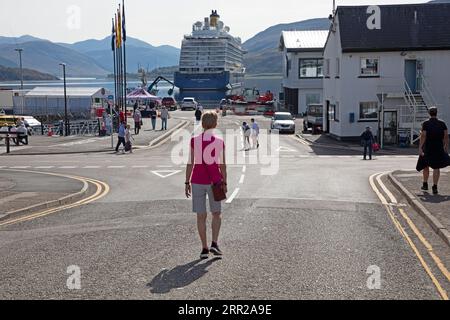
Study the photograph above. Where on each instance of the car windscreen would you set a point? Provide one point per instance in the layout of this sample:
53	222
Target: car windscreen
281	117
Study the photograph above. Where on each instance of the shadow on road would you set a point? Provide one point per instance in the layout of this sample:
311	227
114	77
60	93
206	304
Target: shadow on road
179	277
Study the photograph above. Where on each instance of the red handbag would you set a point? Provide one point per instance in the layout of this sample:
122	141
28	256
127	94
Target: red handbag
376	147
217	188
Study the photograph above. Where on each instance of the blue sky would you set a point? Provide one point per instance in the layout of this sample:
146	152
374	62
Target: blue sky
157	22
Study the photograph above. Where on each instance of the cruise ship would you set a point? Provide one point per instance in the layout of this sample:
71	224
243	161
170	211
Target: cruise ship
211	62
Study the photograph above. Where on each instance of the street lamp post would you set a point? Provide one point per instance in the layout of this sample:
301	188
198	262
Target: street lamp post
66	118
20	50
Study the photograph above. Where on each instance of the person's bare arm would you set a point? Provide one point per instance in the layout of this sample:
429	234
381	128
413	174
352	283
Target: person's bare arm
189	168
446	140
223	170
423	138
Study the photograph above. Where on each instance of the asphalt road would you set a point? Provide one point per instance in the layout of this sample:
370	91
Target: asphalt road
312	230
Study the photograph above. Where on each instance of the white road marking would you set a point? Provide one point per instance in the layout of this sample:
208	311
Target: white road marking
233	196
166	173
116	167
20	167
44	167
388	193
242	179
67	167
244	169
140	167
285	149
92	167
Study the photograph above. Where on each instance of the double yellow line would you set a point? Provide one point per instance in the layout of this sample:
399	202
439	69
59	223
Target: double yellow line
102	189
398	225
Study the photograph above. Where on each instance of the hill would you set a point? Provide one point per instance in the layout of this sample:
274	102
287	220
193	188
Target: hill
138	53
45	56
263	55
12	74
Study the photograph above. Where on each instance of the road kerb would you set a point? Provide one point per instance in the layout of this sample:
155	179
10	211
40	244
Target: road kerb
434	223
168	134
71	198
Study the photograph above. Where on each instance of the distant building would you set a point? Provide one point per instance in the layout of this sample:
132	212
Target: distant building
385	73
49	101
302	68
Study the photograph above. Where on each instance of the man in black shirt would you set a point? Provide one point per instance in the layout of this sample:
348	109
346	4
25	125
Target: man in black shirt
367	142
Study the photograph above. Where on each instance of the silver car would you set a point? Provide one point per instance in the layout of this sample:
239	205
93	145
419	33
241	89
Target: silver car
283	122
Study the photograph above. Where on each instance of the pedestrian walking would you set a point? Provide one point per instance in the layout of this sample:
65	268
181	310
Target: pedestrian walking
121	136
137	121
198	115
433	149
367	140
153	117
128	137
164	118
247	131
255	134
206	177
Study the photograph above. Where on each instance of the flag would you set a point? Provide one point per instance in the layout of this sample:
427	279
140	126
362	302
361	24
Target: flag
119	28
113	36
124	31
117	32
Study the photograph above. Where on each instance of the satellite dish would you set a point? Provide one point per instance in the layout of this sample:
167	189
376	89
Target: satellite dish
170	92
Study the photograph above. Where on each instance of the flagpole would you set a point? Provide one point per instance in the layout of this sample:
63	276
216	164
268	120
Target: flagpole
113	47
124	36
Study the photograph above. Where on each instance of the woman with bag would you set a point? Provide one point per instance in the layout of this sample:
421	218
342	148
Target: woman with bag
433	149
206	177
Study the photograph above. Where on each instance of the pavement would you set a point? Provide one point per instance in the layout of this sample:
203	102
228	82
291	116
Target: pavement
317	227
325	141
21	189
436	205
41	145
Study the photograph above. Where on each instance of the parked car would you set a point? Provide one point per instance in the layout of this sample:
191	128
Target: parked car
283	122
170	103
313	118
189	104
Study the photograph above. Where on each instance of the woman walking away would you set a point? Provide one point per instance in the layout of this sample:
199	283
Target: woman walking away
137	121
367	141
121	136
433	149
247	133
206	177
128	137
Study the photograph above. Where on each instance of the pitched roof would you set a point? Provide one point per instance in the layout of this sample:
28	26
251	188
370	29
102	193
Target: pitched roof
403	27
303	40
59	92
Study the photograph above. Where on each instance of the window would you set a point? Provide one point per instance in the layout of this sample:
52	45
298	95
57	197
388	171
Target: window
312	98
311	68
369	67
368	111
288	66
334	111
327	68
338	67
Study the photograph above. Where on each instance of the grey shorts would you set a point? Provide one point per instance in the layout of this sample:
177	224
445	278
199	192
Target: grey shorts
199	193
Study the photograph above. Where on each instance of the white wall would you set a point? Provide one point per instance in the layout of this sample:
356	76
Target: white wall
350	89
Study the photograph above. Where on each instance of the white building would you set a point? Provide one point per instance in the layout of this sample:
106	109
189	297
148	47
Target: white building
49	101
302	68
386	76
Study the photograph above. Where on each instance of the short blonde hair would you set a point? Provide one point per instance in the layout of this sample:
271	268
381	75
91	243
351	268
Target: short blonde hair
209	120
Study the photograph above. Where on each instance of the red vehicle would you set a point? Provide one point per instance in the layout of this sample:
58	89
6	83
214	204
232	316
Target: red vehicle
170	103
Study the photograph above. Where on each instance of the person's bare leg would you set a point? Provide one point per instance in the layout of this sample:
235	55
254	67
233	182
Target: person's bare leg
426	174
436	176
216	225
201	225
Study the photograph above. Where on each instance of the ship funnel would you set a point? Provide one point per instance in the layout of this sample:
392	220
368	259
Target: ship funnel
214	19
